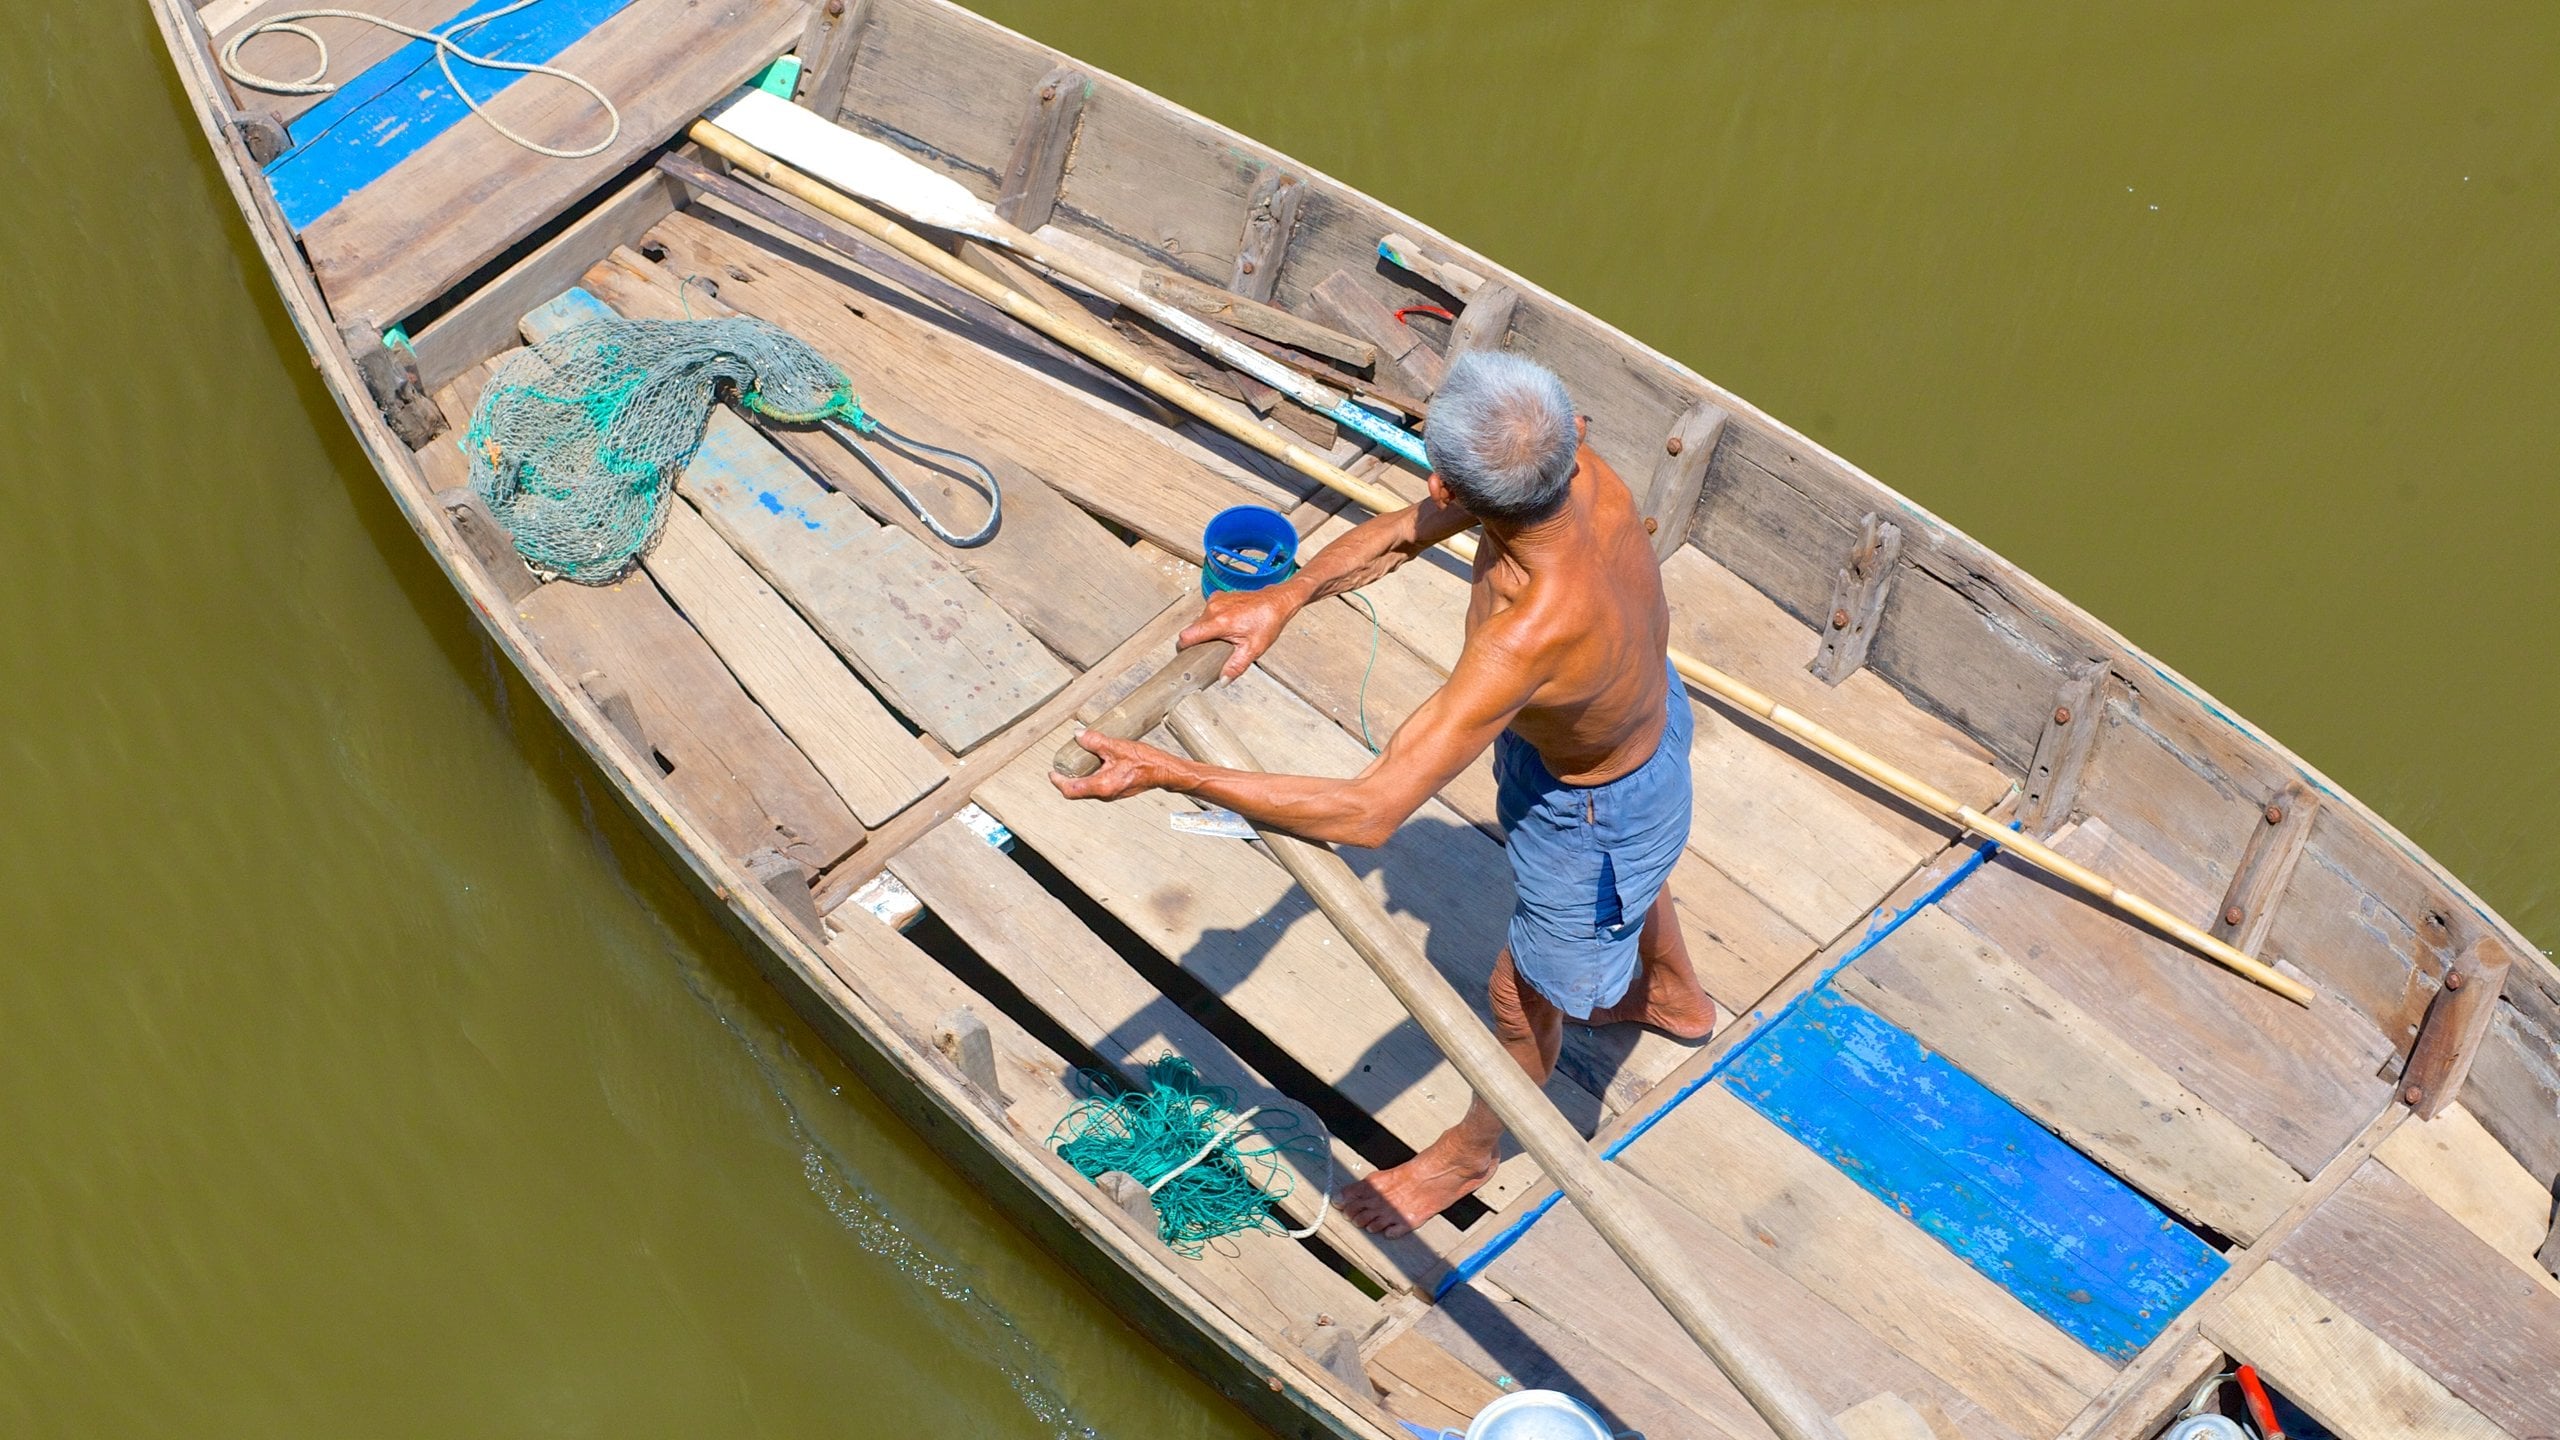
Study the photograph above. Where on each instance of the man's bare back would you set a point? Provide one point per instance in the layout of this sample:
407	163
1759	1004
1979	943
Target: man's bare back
1591	623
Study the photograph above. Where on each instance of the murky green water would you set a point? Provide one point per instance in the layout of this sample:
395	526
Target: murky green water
364	1071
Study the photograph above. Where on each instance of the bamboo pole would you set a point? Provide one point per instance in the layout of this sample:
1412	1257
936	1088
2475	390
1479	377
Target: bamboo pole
1189	398
1632	1231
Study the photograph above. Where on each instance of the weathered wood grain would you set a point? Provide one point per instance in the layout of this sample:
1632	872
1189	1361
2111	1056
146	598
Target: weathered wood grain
1428	1386
485	323
2071	728
739	778
944	654
1270	218
471	192
2266	867
1345	302
2457	1021
2398	1265
1857	599
2300	1080
862	750
1053	567
1485	322
1995	1019
354	47
1139	476
1562	1270
1038	167
1671	494
2342	1374
1718	1159
1037	944
2471	1177
828	46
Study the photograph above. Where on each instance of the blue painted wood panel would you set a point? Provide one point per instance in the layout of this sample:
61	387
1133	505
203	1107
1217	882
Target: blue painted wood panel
383	116
2071	1241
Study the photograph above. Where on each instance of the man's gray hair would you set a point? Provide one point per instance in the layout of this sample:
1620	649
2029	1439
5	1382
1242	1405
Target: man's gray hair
1501	436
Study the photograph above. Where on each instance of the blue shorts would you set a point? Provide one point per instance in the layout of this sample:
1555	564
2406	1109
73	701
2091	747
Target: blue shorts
1587	862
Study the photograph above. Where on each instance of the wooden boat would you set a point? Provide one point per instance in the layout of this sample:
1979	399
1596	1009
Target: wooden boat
1980	1156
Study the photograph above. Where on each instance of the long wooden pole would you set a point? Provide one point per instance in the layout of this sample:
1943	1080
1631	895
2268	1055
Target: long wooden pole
1631	1230
1194	401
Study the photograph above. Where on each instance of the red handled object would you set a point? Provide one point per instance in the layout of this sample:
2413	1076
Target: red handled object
2261	1409
1441	311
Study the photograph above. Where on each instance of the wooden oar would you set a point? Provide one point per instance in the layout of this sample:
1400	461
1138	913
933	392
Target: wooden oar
1427	995
1183	395
864	167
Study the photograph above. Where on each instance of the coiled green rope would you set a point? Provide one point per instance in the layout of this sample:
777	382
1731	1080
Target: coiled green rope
1183	1138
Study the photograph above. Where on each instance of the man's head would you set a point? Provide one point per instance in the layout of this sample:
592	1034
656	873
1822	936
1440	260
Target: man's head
1501	437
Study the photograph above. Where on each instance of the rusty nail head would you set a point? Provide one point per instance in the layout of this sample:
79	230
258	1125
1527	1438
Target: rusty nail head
1048	92
2413	1095
2234	915
2275	814
1274	1381
2454	979
1324	1320
1247	267
1672	445
835	7
1651	525
2061	714
1839	619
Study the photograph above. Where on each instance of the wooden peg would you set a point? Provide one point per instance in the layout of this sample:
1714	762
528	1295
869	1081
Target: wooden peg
970	1046
489	543
1857	600
1270	218
1126	1191
1334	1348
2062	751
1485	323
1672	496
1344	300
2457	1021
788	881
391	376
1038	169
262	133
829	45
2278	831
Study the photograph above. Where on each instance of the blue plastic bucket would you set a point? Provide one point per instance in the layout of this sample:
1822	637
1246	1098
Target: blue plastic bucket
1247	547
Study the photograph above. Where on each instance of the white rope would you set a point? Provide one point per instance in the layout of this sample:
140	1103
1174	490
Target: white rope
1324	1192
316	82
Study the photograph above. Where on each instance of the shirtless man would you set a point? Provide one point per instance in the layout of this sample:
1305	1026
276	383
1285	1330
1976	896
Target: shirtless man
1565	674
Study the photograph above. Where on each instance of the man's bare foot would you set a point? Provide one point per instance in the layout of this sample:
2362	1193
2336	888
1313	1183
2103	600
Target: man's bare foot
1392	1202
1684	1012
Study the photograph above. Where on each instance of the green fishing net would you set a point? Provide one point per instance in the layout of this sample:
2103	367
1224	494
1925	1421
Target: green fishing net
1159	1130
578	439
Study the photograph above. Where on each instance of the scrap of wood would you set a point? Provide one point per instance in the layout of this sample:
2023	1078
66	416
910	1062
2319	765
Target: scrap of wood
2267	862
1270	218
1042	147
2062	750
1341	298
828	49
1672	493
2457	1021
1461	282
1858	598
1485	323
2470	1176
391	377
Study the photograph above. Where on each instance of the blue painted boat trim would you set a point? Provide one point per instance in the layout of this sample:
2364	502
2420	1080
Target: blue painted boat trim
1474	1264
2036	1217
391	111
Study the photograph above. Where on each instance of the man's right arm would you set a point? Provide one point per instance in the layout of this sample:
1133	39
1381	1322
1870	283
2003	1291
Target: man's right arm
1252	620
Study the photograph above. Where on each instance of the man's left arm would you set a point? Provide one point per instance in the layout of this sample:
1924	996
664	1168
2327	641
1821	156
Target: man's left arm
1436	742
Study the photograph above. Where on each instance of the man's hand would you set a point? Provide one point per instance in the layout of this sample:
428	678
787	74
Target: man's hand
1251	620
1128	768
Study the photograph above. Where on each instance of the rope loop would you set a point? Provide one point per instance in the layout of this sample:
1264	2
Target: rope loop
447	51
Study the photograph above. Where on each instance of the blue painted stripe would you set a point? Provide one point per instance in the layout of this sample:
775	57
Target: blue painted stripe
2075	1244
1474	1264
385	115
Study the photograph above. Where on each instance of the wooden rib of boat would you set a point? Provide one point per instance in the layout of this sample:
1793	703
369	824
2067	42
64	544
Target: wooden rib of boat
2016	1168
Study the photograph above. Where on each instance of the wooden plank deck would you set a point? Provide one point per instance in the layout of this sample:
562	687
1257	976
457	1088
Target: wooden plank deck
463	197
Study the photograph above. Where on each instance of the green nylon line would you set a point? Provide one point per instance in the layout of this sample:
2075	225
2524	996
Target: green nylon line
1148	1132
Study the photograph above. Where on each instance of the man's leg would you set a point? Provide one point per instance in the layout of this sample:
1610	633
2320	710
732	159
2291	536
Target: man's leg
1665	994
1392	1202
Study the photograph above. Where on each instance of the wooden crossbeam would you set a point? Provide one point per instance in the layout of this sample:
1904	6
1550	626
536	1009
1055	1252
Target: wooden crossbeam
1270	218
1678	476
2266	866
1037	170
828	48
2457	1021
2062	751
